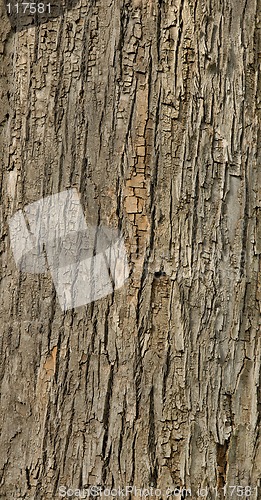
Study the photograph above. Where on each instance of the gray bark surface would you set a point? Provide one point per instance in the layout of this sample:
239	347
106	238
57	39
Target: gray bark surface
151	110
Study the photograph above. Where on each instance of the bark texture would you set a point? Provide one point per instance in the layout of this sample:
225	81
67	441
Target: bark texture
150	109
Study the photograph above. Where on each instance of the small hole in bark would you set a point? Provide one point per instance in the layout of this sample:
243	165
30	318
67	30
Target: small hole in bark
158	274
222	451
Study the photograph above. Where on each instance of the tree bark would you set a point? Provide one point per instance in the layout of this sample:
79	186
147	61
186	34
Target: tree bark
150	109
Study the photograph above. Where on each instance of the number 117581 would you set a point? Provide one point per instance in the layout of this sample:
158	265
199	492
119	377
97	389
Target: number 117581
29	8
239	491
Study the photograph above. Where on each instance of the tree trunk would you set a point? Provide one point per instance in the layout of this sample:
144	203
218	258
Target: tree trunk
150	110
